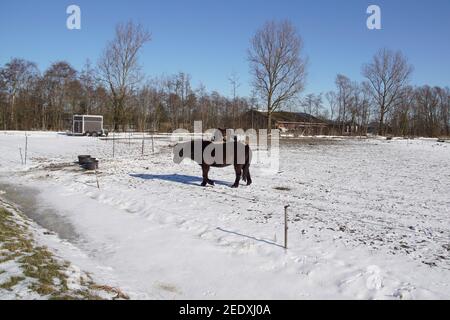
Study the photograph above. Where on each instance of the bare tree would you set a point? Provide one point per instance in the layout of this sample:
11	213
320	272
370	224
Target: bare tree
344	96
119	66
253	101
3	103
402	120
184	90
235	84
387	74
276	64
60	85
204	107
312	106
427	99
332	103
16	76
308	103
444	104
318	105
88	83
364	107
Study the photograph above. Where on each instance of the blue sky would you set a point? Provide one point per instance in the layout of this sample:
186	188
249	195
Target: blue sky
209	39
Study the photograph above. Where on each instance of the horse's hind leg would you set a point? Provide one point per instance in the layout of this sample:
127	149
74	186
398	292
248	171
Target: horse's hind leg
246	174
205	171
238	171
249	178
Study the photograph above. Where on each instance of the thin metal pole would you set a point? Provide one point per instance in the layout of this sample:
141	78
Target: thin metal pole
143	139
21	157
285	225
114	143
26	148
96	177
153	144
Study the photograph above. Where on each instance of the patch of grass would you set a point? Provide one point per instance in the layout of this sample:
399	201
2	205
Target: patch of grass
9	257
11	283
42	266
118	294
47	273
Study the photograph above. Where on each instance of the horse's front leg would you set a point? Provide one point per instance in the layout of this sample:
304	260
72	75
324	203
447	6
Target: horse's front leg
205	171
238	171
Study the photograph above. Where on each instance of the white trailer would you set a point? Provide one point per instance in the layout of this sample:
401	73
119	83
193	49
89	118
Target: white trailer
88	125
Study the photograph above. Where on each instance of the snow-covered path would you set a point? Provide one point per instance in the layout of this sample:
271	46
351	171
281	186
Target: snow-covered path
368	219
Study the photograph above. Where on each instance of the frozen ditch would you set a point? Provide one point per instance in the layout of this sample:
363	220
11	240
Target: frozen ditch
25	199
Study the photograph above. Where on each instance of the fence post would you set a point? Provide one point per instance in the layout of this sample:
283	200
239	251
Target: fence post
153	144
96	178
114	143
143	139
286	226
21	157
26	148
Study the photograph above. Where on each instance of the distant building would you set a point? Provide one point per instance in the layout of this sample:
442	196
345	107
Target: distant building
295	122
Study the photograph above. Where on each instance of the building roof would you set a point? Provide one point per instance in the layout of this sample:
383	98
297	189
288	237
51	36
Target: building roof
284	116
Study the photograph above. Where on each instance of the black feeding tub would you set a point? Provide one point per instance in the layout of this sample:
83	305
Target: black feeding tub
87	162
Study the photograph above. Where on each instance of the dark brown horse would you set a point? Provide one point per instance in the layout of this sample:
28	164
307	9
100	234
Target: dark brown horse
210	154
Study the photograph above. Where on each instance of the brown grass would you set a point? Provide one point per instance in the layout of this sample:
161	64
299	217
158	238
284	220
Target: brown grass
45	272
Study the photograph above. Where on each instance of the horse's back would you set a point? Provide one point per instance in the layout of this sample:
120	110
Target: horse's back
223	154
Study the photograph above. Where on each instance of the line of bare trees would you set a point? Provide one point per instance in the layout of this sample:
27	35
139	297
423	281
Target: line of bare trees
31	100
384	102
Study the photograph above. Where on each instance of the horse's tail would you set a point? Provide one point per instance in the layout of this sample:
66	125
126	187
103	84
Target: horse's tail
246	168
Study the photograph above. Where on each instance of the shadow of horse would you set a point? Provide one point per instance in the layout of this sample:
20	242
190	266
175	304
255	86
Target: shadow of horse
178	178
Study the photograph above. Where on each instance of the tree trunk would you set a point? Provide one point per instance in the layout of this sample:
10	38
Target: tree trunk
381	124
13	118
118	114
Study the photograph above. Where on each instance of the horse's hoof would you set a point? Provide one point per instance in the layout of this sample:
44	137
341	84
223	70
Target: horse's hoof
234	186
203	184
249	183
211	182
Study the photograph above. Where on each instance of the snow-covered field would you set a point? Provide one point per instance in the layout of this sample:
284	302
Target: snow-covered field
368	218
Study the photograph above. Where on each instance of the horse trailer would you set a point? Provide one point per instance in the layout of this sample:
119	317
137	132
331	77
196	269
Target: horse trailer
88	125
